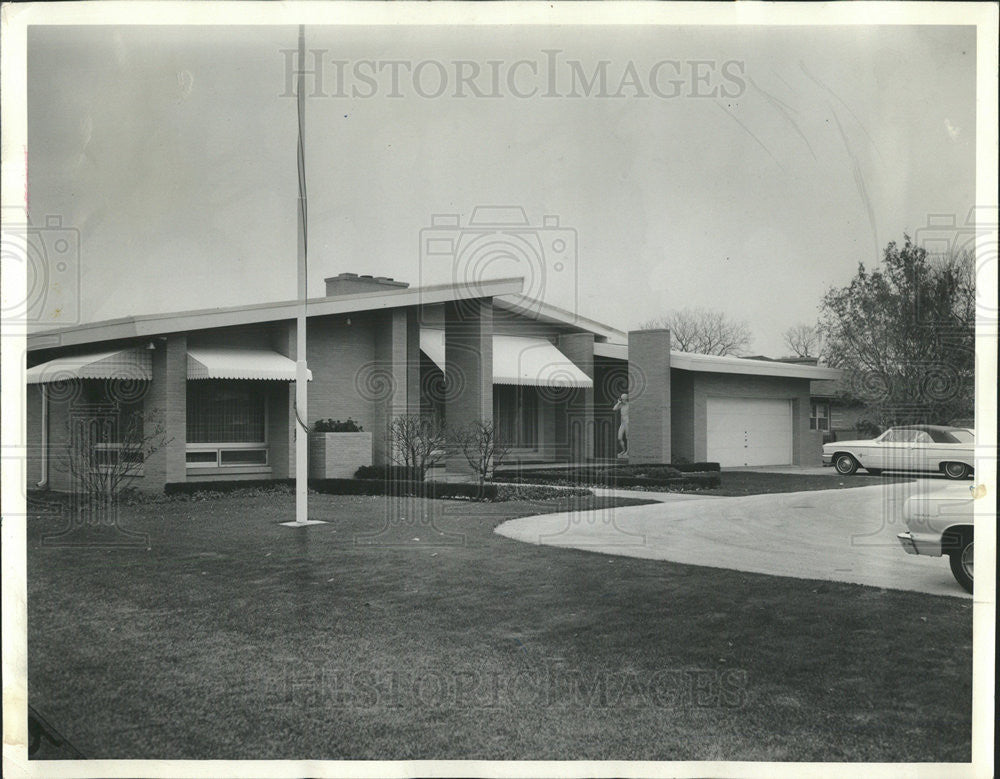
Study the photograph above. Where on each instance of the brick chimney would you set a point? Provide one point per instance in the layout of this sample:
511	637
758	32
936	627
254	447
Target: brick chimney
353	284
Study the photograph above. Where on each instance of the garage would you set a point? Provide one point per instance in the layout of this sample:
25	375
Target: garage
749	431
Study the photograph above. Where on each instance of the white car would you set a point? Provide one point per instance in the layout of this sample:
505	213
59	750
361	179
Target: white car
933	448
939	524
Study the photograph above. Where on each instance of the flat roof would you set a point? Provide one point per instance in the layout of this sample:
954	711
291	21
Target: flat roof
711	363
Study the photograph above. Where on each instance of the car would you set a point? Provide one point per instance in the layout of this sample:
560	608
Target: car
932	448
941	523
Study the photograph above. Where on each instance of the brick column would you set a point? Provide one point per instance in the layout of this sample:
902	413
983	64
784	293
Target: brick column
392	362
168	397
579	409
468	355
649	396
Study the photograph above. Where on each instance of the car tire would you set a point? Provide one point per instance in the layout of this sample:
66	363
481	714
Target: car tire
845	465
874	471
956	470
961	563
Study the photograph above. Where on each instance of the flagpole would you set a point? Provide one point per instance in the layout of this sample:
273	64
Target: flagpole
301	368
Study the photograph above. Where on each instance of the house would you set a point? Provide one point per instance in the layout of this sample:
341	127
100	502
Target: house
221	382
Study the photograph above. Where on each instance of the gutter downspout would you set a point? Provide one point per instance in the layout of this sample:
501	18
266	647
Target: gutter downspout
44	482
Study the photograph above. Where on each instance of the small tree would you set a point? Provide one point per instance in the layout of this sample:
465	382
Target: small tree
703	331
417	442
480	443
107	448
804	340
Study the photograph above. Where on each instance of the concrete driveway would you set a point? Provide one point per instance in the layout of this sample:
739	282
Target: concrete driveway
846	535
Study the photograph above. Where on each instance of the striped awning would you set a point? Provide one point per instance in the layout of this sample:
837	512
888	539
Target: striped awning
124	364
222	363
517	360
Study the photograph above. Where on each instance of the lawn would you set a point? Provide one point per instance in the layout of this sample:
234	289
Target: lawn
408	629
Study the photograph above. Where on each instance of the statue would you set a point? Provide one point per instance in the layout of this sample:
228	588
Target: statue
622	406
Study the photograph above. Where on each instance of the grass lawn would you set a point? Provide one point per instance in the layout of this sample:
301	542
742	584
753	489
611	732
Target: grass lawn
757	482
410	630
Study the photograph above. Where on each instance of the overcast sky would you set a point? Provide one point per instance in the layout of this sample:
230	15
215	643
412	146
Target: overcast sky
739	169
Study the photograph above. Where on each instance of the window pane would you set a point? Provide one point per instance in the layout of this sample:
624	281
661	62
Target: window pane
225	412
201	458
243	457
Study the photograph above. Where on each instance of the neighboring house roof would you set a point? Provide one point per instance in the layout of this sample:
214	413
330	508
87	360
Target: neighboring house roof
711	363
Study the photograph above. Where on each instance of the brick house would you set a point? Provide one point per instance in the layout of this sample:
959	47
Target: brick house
222	379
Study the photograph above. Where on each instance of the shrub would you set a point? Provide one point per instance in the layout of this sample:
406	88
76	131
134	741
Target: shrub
390	472
336	426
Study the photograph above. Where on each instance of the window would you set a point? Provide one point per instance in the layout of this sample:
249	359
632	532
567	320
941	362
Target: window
515	412
225	412
819	419
226	424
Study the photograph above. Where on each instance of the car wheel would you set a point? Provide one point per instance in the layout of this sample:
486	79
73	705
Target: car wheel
845	464
874	471
961	563
956	470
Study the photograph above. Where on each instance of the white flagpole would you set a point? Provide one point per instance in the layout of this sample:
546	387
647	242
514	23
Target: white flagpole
301	369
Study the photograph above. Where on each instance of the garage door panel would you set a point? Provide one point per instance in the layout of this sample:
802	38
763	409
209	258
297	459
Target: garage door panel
749	431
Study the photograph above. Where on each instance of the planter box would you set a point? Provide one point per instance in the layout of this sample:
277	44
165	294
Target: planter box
338	455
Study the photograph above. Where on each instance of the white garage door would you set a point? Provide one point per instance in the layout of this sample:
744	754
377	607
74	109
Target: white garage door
749	431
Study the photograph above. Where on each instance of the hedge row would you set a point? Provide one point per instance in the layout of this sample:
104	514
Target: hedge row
438	489
576	478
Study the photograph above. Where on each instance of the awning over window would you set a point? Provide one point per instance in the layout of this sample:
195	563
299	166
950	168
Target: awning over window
125	364
221	363
517	360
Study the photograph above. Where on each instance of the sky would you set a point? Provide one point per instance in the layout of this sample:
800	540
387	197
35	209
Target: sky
732	168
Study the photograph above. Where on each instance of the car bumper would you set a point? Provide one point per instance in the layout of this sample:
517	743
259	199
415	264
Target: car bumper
827	459
919	545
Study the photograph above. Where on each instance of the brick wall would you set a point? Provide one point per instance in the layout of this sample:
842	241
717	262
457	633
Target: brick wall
649	396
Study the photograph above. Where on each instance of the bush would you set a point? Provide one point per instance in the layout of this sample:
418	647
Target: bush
336	426
390	473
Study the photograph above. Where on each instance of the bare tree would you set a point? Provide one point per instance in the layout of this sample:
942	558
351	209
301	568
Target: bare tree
107	449
480	444
417	441
804	340
704	331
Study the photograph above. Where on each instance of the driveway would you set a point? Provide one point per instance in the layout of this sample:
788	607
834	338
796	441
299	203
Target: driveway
846	535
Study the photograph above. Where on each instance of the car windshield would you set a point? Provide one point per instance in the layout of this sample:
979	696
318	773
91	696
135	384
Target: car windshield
963	436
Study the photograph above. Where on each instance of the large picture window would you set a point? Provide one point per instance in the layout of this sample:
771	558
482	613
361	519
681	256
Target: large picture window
225	412
515	412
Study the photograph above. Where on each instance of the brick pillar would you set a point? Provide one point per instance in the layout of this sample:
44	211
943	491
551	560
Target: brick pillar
391	387
167	396
468	355
579	409
649	396
412	361
281	440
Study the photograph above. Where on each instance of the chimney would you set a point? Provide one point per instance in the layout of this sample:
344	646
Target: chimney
353	284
